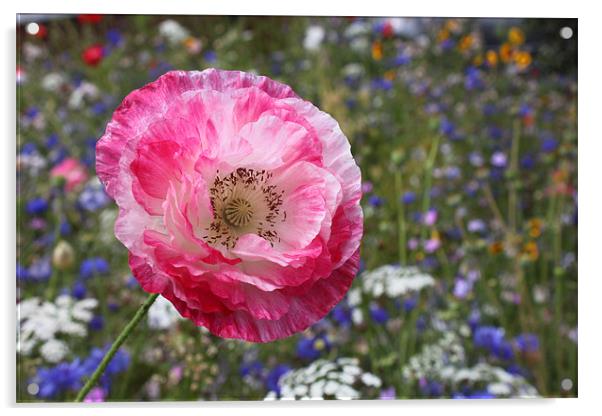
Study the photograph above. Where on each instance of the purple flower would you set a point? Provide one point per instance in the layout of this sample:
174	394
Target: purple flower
430	217
387	394
499	159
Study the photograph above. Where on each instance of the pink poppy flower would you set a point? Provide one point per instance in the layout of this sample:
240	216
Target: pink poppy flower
73	172
239	201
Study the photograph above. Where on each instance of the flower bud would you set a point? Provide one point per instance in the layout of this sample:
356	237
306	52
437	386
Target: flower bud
63	255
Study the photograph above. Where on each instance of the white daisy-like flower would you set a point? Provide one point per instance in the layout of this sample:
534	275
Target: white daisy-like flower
341	379
41	322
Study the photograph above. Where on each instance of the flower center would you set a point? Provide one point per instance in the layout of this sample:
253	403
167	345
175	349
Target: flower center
244	202
238	212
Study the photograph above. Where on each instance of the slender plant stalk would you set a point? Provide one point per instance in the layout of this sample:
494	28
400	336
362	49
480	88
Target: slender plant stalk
401	222
428	179
118	342
513	178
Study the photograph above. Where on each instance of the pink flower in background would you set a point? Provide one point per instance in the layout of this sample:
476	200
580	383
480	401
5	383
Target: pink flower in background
96	395
239	201
73	172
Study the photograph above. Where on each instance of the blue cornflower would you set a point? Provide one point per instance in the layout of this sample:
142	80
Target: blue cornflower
474	395
78	291
379	314
92	267
36	206
52	140
99	108
375	201
93	198
408	197
251	369
32	112
114	37
65	228
28	149
447	127
342	314
381	84
118	364
59	379
22	273
96	323
409	304
431	388
489	109
548	144
488	337
210	56
525	110
527	162
271	382
473	79
89	154
40	270
527	342
311	348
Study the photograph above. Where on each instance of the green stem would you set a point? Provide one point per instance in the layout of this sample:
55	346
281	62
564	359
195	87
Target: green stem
118	342
513	178
401	223
428	179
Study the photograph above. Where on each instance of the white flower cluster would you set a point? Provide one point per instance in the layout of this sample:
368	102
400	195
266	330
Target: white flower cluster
162	314
434	358
445	361
173	31
497	381
40	322
325	379
394	281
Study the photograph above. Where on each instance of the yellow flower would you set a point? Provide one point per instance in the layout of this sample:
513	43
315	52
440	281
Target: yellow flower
505	52
491	57
319	344
516	36
390	75
377	51
442	35
478	60
452	25
535	226
522	59
531	251
466	42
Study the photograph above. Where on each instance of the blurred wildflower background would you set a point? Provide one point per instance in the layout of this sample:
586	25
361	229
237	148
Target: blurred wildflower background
465	131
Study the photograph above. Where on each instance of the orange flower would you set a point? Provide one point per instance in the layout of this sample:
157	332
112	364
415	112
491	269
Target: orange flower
535	226
390	75
496	247
452	25
505	52
531	251
491	58
522	59
377	51
466	42
516	36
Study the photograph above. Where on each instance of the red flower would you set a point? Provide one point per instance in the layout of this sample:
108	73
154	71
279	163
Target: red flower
93	55
387	30
42	32
89	18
